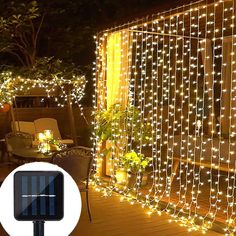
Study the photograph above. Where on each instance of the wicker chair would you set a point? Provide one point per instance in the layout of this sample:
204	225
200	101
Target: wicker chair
77	161
17	140
14	141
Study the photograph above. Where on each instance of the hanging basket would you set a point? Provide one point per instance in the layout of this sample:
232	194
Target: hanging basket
6	107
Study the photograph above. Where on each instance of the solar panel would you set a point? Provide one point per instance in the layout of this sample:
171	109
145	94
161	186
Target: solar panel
38	197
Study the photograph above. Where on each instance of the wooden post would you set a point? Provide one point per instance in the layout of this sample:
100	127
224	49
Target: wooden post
13	119
72	120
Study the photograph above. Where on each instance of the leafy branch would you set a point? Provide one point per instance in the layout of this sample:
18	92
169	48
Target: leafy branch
19	31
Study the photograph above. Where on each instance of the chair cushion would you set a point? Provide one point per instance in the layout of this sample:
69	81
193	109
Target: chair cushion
47	123
25	126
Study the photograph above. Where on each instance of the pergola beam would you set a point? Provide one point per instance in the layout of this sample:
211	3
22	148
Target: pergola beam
142	21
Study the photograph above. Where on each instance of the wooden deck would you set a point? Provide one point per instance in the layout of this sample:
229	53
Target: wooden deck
220	218
114	218
203	197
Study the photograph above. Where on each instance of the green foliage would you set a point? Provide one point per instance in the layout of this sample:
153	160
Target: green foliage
139	132
19	31
108	122
5	91
69	25
47	69
18	16
134	162
118	121
111	124
44	69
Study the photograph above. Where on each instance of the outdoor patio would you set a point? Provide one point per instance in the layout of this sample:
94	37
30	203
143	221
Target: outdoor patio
149	131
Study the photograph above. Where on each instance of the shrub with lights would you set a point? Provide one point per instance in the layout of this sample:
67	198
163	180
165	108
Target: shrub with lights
54	77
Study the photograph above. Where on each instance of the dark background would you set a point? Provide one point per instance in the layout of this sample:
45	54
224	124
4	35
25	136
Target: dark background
70	25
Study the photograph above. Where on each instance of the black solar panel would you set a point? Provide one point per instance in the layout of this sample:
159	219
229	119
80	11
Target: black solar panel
38	195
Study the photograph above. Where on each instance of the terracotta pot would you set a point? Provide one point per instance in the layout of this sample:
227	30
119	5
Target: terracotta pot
123	178
6	107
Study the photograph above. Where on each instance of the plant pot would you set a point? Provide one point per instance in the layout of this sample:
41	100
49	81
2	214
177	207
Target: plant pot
123	178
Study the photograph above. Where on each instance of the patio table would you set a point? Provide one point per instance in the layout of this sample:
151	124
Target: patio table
31	155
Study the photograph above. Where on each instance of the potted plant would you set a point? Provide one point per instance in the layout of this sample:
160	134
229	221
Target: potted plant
111	124
131	166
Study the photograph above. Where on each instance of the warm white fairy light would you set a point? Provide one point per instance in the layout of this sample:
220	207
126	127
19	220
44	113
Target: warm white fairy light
187	79
183	88
219	125
231	184
179	80
198	126
171	149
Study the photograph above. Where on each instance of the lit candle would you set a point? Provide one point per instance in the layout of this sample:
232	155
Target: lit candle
48	134
41	137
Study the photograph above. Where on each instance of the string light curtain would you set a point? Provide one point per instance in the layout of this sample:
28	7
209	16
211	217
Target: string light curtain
166	104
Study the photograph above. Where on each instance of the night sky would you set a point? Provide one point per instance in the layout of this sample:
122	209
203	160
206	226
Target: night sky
79	20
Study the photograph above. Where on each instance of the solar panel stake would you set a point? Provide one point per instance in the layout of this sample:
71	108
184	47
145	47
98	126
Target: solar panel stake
38	197
38	228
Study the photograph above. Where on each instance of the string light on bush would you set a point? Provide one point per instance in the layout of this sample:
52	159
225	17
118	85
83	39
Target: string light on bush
58	87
